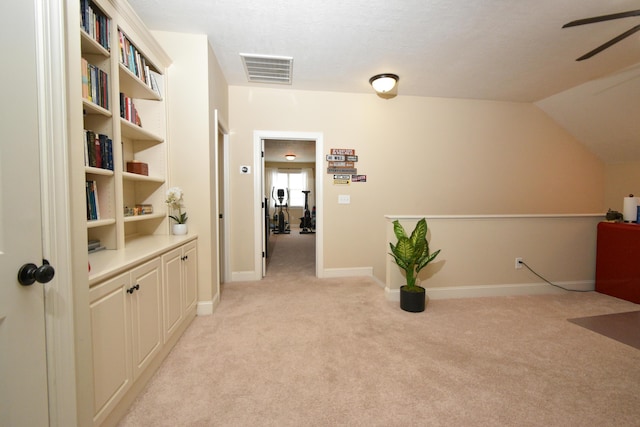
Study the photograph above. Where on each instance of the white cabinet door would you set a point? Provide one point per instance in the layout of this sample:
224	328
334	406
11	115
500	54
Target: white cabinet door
146	314
109	309
172	266
190	275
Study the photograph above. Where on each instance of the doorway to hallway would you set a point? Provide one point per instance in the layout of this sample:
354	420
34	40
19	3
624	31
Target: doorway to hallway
294	178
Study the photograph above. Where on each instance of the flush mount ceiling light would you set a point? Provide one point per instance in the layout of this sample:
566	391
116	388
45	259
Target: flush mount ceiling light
290	156
383	83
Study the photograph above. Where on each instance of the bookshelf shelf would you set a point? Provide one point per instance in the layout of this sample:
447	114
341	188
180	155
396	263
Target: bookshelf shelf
147	217
100	222
90	46
128	176
91	108
130	130
98	171
134	87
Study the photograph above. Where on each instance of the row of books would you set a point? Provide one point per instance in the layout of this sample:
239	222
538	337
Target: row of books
95	84
128	110
98	150
93	208
95	23
131	58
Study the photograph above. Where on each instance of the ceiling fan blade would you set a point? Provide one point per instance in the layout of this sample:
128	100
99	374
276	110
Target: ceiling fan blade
609	43
602	18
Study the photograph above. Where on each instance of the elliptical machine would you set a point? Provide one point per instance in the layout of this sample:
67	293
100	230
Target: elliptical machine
306	225
282	224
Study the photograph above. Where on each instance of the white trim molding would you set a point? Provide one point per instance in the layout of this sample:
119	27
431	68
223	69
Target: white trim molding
258	136
206	308
497	290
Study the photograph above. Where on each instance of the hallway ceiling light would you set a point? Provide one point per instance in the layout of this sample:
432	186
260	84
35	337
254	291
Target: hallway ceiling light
383	83
290	156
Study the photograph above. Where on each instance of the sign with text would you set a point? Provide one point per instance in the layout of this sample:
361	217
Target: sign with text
343	151
341	176
341	164
342	171
341	182
351	158
333	158
359	178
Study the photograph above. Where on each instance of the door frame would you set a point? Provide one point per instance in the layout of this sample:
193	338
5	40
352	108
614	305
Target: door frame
225	245
258	178
56	210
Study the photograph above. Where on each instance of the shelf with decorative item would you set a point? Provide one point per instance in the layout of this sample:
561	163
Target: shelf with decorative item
128	176
144	217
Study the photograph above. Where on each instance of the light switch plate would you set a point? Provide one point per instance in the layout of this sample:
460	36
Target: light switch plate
344	199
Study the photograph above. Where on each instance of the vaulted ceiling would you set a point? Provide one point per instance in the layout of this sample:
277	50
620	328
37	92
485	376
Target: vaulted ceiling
501	50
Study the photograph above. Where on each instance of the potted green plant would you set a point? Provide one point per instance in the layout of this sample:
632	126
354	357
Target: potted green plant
412	254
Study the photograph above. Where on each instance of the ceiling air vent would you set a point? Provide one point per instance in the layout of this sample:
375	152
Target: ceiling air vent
267	69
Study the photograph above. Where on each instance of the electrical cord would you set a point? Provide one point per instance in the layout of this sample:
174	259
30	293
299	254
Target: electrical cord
552	284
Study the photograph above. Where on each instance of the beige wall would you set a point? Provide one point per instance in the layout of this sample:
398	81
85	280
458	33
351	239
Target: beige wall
479	252
622	179
420	155
192	99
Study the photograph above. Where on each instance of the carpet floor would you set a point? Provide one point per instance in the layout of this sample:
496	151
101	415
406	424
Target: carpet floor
294	350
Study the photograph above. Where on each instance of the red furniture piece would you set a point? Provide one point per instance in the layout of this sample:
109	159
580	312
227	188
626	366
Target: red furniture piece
618	260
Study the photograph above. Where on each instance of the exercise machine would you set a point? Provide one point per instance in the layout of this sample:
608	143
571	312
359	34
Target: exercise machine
282	224
307	226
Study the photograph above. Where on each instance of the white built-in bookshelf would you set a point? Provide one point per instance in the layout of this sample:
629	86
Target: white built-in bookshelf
123	121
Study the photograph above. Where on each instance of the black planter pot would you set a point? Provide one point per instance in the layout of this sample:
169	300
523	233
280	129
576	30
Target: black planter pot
413	302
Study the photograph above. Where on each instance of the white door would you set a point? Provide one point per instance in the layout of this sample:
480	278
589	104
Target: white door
23	371
265	209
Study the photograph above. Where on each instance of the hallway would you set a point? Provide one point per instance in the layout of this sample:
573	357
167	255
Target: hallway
292	254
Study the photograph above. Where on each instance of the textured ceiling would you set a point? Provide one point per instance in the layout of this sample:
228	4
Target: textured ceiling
484	49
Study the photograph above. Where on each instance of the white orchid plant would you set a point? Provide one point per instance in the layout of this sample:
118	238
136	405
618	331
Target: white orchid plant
175	202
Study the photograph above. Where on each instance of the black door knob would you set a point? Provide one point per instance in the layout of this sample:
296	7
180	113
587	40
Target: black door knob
31	273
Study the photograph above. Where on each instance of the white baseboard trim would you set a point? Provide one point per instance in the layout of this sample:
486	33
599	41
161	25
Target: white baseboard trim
347	272
206	308
245	276
496	290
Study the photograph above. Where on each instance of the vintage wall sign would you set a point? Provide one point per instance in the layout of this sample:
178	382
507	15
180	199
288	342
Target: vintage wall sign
342	164
350	171
343	151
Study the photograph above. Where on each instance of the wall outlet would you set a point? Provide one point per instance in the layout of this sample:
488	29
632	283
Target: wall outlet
344	199
518	263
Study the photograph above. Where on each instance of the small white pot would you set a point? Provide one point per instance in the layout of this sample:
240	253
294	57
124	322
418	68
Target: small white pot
179	229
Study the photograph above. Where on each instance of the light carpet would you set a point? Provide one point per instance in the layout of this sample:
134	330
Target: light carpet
294	350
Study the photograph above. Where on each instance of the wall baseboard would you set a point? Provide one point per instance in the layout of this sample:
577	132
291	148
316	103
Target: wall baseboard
245	276
496	290
347	272
206	308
